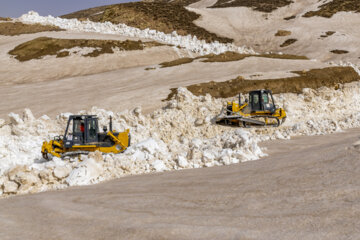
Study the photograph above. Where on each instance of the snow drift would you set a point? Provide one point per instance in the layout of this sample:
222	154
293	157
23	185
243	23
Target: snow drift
188	42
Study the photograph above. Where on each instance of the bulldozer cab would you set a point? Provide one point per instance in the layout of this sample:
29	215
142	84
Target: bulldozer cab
261	101
81	130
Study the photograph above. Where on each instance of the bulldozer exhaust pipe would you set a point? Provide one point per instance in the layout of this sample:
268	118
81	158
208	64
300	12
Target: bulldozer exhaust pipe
110	124
239	99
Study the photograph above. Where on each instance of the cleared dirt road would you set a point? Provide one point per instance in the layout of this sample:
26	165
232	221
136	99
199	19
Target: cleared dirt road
308	188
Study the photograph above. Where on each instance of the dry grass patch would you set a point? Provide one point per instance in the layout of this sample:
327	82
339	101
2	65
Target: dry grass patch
17	28
315	78
329	9
177	62
327	34
5	19
337	51
162	16
93	14
229	57
179	2
233	56
44	46
289	18
288	42
258	5
282	33
150	68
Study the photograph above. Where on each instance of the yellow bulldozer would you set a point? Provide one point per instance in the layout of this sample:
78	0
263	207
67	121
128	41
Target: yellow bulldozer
82	135
258	110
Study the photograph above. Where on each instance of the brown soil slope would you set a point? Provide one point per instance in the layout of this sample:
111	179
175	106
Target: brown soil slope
315	78
329	9
258	5
43	46
17	28
229	57
179	2
161	16
94	14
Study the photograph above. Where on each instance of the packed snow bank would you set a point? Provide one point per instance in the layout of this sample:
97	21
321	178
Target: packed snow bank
182	135
188	42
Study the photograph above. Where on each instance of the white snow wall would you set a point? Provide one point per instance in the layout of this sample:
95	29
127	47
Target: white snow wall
188	42
182	135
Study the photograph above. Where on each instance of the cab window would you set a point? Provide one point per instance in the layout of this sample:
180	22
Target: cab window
77	125
69	133
255	98
265	98
92	126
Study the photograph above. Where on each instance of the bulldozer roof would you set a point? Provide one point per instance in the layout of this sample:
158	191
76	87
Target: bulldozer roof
82	116
261	90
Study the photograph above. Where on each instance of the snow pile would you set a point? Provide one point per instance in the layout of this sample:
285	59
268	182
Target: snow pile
80	51
321	111
181	135
19	139
188	42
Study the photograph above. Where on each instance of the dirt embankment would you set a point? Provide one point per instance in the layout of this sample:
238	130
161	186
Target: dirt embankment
44	46
17	28
329	9
228	57
162	16
315	78
258	5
